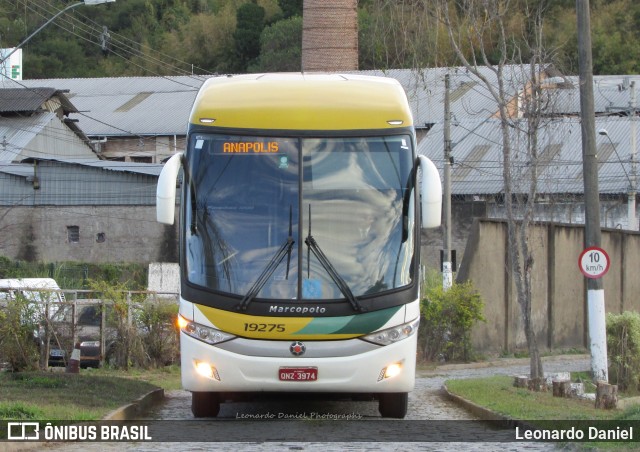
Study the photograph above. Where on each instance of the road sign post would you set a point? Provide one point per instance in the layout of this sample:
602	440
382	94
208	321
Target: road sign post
594	262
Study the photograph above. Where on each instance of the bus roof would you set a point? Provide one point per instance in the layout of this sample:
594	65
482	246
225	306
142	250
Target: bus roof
302	101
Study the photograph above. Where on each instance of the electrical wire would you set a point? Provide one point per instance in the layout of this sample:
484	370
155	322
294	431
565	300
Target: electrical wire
119	47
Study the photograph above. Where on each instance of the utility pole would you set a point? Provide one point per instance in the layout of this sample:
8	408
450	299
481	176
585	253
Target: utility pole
55	16
447	271
633	223
592	235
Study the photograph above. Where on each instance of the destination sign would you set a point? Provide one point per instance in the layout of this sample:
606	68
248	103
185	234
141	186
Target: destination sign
253	147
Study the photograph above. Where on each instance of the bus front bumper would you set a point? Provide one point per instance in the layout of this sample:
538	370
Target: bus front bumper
207	368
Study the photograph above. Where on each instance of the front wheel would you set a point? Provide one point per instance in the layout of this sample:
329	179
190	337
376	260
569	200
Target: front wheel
205	404
393	404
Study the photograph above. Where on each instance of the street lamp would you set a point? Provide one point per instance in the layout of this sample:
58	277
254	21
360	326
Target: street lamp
631	197
73	5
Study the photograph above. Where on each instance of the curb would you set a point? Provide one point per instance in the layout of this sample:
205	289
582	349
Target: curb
483	413
124	413
137	407
486	414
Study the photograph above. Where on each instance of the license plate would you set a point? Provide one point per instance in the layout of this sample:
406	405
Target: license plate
57	353
298	373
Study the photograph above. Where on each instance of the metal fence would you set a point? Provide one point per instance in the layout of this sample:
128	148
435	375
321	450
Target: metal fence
132	327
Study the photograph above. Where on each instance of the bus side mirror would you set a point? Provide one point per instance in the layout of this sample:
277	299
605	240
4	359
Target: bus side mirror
166	190
430	194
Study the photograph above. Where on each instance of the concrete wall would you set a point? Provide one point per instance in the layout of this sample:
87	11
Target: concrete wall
558	287
613	214
463	214
106	234
164	277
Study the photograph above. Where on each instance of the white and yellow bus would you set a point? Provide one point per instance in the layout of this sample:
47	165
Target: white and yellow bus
300	235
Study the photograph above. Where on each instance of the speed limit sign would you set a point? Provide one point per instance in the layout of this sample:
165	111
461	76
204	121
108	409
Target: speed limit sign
594	262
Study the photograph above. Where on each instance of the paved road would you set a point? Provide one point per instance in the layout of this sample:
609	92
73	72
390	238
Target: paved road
430	415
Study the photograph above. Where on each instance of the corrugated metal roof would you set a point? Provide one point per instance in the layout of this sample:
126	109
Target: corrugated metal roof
162	104
611	95
16	133
163	110
26	169
477	152
149	169
470	98
165	106
20	100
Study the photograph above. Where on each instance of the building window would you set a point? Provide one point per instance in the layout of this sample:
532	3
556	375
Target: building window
141	159
101	237
73	234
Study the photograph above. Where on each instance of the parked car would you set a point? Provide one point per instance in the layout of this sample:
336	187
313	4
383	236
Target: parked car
88	327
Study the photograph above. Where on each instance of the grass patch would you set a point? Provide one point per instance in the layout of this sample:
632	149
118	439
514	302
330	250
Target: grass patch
499	395
89	395
545	411
19	411
167	378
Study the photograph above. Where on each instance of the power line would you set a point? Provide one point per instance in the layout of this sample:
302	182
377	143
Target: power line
69	23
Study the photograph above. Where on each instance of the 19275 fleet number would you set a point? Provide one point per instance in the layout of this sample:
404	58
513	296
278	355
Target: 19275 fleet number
264	327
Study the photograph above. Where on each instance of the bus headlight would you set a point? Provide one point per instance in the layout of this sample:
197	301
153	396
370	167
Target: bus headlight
395	334
392	370
203	333
206	370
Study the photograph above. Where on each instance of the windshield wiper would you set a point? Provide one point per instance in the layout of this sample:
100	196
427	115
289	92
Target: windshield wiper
330	269
285	250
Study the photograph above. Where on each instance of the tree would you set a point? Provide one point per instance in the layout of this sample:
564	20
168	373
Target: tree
290	8
482	33
403	34
206	41
249	25
281	47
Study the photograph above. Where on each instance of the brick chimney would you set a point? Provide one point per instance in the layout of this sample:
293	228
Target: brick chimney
330	35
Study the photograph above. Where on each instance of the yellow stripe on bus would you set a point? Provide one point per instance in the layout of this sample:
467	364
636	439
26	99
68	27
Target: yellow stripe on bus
262	327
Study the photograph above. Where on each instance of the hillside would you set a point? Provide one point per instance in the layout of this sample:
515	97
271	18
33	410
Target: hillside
178	37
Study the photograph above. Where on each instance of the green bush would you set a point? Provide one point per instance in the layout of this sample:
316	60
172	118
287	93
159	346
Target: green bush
159	331
623	348
447	319
18	344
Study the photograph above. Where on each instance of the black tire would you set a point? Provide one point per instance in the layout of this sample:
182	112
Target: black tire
205	404
393	404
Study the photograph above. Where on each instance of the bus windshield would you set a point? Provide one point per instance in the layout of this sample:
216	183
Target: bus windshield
299	218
